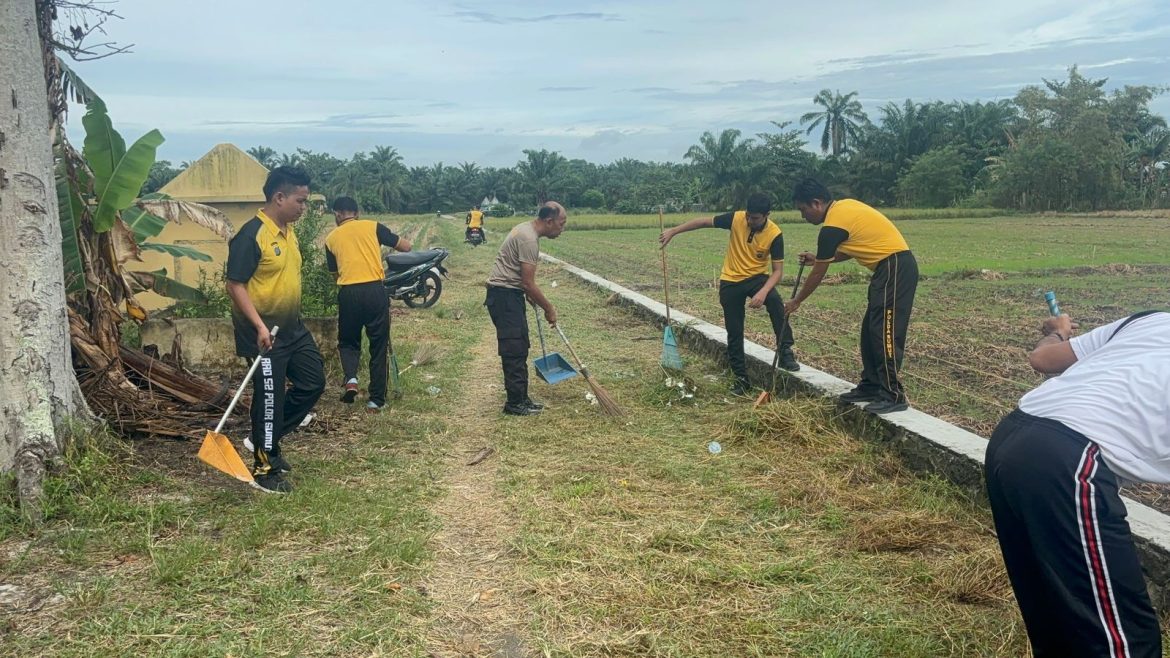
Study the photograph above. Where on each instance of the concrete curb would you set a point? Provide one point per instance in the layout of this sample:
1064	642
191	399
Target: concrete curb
925	443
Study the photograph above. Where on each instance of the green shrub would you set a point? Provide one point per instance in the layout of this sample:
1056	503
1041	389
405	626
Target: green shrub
501	210
218	304
318	288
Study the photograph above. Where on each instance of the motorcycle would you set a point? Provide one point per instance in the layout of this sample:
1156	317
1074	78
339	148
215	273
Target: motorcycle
475	237
414	277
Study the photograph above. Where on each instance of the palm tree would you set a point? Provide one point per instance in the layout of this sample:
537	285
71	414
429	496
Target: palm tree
722	164
387	175
465	183
541	173
289	160
841	119
263	155
386	155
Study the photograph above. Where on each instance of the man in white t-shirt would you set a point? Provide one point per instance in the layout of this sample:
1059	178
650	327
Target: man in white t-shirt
1053	469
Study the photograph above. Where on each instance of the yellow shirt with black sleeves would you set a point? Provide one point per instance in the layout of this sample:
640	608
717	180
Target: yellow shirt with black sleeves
855	229
353	251
749	252
475	219
268	262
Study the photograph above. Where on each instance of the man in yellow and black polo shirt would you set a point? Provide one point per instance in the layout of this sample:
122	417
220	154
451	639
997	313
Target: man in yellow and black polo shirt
353	252
754	242
264	283
474	223
851	229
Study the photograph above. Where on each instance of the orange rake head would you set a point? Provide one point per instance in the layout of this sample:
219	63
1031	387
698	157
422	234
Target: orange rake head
219	453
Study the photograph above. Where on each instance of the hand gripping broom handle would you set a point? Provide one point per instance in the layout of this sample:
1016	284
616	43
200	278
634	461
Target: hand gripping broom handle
665	280
240	390
799	274
584	370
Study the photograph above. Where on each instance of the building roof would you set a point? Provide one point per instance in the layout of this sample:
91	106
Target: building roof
224	174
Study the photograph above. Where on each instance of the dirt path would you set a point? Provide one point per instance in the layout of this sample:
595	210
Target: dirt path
480	610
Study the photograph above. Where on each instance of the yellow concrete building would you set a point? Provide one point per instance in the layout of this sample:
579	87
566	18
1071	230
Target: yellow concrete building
227	179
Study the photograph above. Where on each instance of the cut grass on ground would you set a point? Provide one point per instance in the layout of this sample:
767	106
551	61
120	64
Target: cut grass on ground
622	536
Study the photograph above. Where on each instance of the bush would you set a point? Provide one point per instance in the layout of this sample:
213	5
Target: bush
217	304
318	288
593	199
936	179
501	210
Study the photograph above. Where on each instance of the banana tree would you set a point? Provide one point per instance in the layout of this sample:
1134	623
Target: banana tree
105	226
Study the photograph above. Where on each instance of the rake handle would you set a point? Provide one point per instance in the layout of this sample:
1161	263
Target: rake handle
665	278
247	378
799	275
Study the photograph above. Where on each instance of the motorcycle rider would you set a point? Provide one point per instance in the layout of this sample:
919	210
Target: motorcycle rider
353	253
474	222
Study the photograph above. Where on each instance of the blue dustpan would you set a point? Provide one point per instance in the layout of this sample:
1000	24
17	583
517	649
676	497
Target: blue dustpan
671	359
552	368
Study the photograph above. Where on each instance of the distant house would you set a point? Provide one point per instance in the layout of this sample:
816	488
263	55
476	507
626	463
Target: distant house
487	203
227	179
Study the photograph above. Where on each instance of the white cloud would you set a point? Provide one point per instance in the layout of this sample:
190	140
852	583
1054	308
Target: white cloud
593	76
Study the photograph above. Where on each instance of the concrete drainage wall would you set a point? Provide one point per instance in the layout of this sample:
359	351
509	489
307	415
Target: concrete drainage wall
210	343
924	443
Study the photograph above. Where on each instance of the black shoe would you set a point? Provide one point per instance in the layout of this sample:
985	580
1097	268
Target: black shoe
741	387
273	482
520	410
788	361
349	394
887	406
859	395
533	404
278	463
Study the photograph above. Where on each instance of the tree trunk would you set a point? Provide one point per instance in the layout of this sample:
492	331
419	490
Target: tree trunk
38	389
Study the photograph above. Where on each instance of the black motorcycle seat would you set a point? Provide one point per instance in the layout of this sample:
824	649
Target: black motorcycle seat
398	262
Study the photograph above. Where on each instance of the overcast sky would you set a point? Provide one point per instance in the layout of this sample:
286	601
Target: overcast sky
596	79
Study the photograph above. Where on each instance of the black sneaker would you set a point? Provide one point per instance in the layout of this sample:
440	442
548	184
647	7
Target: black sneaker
741	387
887	406
533	404
278	463
350	393
859	395
273	482
788	361
520	410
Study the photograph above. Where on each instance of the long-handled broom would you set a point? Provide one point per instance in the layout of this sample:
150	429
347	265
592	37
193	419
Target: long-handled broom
217	450
608	406
765	396
423	354
395	385
671	359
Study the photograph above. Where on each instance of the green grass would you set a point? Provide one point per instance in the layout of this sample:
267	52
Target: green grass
636	541
605	222
156	556
970	330
629	537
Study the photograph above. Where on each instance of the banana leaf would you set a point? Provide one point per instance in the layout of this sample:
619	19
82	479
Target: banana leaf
118	172
159	282
178	250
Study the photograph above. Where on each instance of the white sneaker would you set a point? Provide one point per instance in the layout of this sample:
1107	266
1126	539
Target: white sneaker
307	419
248	444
